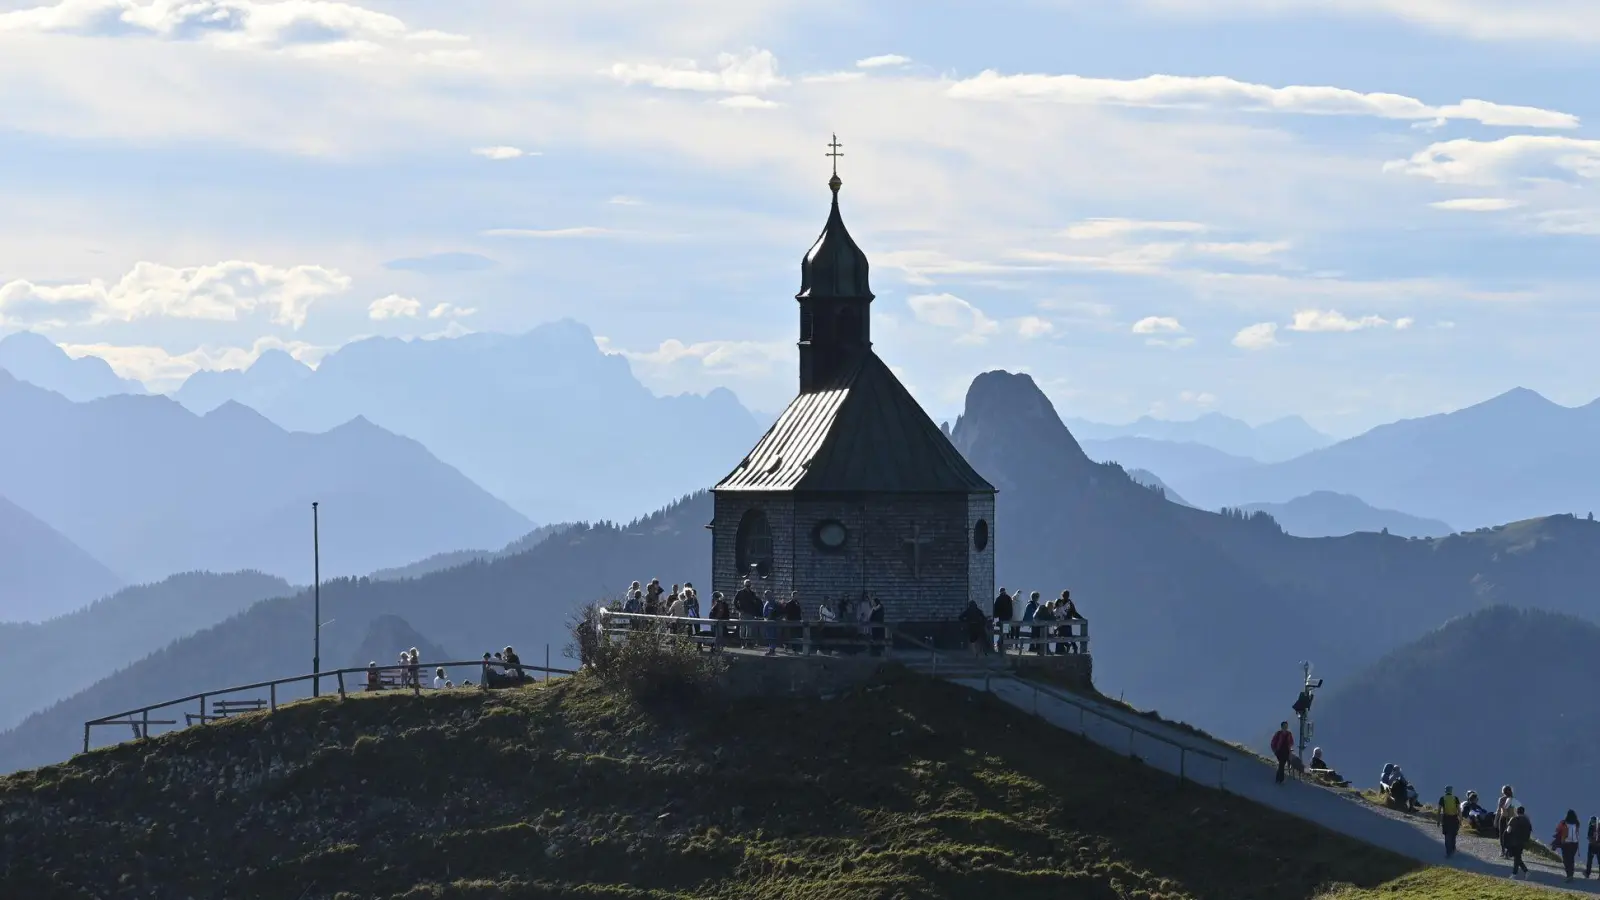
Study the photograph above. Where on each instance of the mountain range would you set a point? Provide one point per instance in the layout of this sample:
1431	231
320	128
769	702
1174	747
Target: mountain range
1327	514
1496	697
42	572
1203	614
543	420
36	359
1512	457
148	488
1273	441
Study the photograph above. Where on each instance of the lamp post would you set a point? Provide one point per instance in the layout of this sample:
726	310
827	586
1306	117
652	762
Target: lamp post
316	595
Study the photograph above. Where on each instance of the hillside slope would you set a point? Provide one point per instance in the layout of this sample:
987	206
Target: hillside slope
42	572
910	788
150	489
59	657
1496	697
521	600
1326	514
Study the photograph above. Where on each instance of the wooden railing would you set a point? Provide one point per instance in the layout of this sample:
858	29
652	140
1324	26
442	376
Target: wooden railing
139	718
812	636
822	634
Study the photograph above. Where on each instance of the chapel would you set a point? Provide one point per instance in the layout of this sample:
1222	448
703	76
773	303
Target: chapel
854	491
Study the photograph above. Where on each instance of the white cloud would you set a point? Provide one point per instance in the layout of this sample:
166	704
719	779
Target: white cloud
624	200
1220	92
1031	327
161	370
832	77
952	312
307	27
222	291
1095	229
747	101
1198	398
746	358
1476	204
578	232
1492	20
1157	325
1467	161
1568	221
1333	320
393	306
502	152
451	311
750	72
887	60
1257	337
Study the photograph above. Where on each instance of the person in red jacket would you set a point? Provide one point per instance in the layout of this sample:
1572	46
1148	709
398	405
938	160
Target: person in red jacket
1282	746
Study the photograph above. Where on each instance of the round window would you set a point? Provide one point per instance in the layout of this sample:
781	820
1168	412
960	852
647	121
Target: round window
831	535
980	534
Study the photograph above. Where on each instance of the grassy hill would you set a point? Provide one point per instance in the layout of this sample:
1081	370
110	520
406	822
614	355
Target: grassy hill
907	788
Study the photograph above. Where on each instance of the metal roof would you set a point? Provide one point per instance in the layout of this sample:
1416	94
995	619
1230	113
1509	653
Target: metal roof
834	267
864	432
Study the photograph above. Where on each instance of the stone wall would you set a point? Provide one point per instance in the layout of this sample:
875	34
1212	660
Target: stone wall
1074	671
914	551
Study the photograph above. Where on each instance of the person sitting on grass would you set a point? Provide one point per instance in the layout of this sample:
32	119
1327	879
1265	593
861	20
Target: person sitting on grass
439	681
1320	767
374	678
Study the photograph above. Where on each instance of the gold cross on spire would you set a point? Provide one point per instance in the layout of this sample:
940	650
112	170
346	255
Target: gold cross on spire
834	153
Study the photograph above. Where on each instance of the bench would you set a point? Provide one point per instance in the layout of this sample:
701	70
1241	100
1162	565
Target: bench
225	708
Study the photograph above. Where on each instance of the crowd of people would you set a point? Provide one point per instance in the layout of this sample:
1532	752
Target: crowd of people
500	669
1508	822
756	618
1018	627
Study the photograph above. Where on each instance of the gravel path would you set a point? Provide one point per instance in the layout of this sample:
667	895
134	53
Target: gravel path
1251	777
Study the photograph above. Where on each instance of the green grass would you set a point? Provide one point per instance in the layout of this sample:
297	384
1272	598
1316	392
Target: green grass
909	788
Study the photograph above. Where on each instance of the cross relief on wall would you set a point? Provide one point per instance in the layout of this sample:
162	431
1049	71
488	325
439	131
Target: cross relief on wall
916	542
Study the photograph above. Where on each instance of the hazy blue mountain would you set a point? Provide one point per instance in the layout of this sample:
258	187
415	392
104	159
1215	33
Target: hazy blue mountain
450	559
1177	464
523	600
272	372
1327	514
1149	480
1273	441
150	489
50	660
1497	697
37	360
1512	457
389	636
542	420
42	572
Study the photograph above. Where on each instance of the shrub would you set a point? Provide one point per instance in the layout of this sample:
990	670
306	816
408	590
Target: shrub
650	662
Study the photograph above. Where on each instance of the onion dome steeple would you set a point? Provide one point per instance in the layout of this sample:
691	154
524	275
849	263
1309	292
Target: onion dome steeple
835	300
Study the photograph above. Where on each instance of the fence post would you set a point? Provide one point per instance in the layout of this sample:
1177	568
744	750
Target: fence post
202	709
341	684
274	688
86	737
546	662
145	727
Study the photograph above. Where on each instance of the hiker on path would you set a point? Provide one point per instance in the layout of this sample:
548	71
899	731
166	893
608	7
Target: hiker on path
1594	845
1567	834
1449	819
1504	811
1002	619
1518	832
1282	746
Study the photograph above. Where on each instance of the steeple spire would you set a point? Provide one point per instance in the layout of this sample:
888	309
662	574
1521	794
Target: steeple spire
835	297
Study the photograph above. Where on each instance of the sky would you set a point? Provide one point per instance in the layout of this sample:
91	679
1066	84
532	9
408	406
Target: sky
1351	210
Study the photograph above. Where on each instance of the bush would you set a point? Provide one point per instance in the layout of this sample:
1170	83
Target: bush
650	663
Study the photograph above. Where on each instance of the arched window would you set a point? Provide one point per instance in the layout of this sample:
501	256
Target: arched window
753	546
980	535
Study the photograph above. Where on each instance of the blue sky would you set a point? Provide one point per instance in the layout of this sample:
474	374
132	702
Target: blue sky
1355	210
